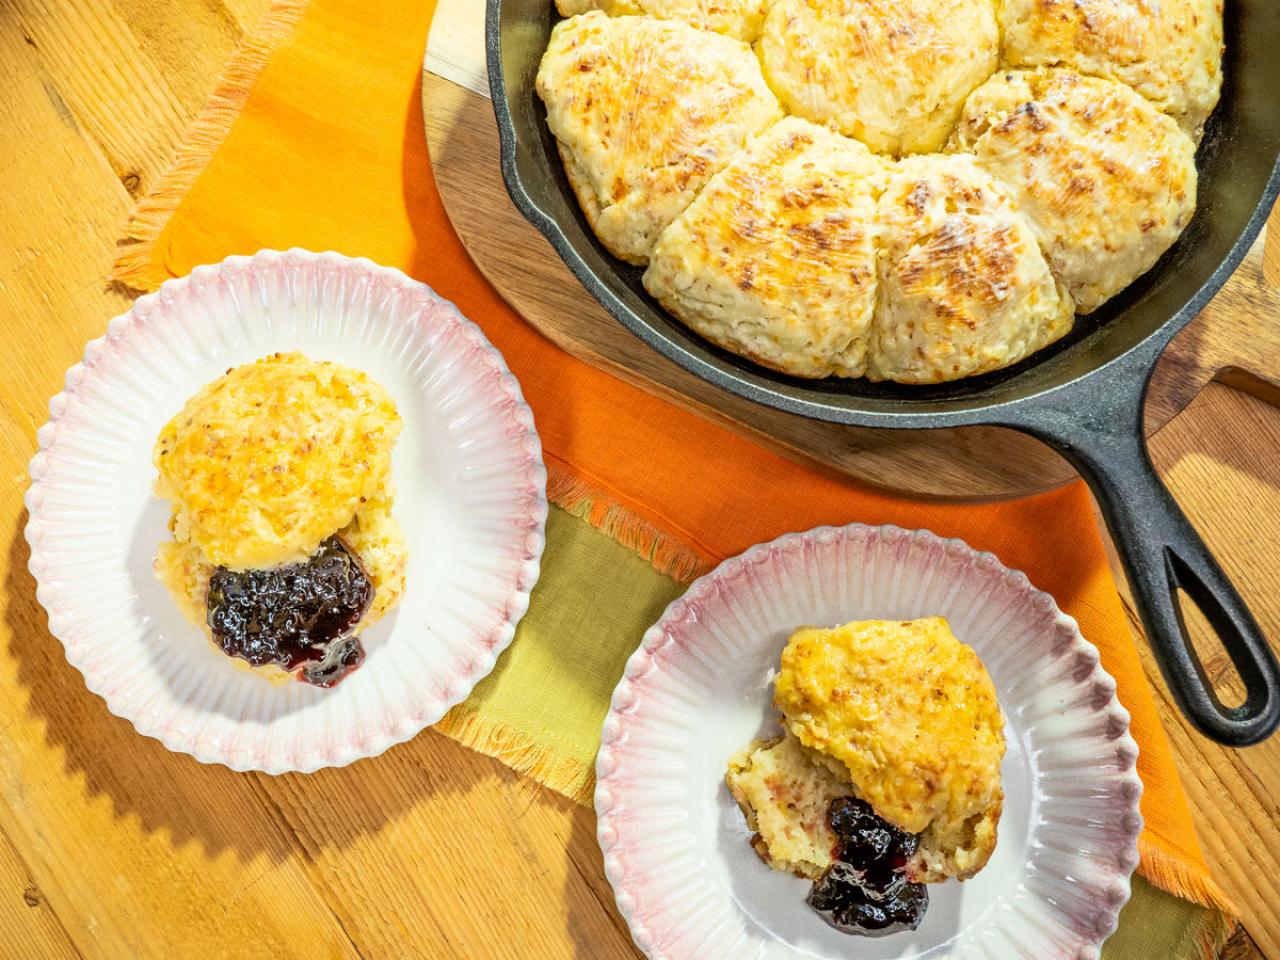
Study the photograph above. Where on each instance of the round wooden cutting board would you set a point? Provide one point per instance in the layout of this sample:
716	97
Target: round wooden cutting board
1234	339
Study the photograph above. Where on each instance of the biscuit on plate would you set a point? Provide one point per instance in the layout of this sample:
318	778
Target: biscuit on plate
785	792
964	287
279	476
1170	51
775	260
1107	181
645	112
908	714
892	73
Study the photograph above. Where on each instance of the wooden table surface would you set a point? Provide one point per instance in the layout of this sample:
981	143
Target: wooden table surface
110	846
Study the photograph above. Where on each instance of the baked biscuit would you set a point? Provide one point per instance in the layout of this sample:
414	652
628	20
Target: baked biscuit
645	112
775	260
1107	181
740	19
284	547
964	287
372	533
784	794
909	715
892	73
1170	51
269	459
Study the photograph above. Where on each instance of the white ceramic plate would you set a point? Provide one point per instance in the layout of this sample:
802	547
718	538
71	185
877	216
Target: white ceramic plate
700	687
470	497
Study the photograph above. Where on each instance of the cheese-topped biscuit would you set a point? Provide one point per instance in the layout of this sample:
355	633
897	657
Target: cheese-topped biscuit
908	713
284	548
892	73
1170	51
265	462
964	286
1107	181
775	260
645	112
740	19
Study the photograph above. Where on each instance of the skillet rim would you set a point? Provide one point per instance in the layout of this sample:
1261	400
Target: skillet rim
997	401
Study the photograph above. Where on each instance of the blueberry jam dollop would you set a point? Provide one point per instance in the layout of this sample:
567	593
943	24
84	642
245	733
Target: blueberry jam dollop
865	890
298	616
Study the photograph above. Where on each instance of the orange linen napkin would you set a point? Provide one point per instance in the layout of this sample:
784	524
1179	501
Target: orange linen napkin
315	138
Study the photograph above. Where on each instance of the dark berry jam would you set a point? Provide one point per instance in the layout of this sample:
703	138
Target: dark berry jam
341	657
298	617
865	890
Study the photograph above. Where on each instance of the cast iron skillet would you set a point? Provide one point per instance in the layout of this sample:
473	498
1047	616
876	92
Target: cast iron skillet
1083	395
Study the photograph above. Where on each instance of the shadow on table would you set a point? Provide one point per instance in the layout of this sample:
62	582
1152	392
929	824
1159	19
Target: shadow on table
598	930
251	813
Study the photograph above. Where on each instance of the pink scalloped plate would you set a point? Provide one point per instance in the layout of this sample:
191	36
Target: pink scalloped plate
470	496
699	688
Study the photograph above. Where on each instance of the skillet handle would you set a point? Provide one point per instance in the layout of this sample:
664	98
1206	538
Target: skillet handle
1161	552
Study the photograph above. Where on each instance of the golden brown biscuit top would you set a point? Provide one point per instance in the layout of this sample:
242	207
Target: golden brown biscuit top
776	259
269	459
1077	190
964	285
645	112
1088	140
907	708
794	190
1170	51
1105	178
740	19
891	73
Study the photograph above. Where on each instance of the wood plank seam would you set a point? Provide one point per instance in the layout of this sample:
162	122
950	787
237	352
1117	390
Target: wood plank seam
607	907
296	841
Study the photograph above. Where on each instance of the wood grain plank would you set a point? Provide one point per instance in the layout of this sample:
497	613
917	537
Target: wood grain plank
133	107
369	832
64	199
140	852
1271	250
187	44
1221	459
31	927
245	13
